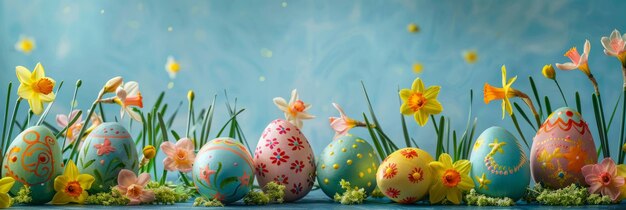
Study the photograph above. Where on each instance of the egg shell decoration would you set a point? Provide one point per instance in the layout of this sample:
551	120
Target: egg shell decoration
562	146
284	155
404	176
223	170
349	158
107	150
500	167
34	159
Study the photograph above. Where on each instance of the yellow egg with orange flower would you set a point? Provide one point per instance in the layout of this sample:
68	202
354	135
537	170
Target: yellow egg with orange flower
404	176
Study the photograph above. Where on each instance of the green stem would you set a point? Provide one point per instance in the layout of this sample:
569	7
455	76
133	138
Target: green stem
6	117
85	125
185	180
561	91
11	125
163	177
621	138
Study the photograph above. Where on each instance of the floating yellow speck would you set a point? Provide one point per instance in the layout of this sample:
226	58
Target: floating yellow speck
413	28
344	149
417	68
349	162
470	56
323	166
361	174
170	85
359	155
332	153
336	166
354	146
25	45
325	181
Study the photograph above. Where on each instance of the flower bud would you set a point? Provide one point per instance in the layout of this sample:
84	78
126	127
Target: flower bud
548	72
112	84
149	152
191	95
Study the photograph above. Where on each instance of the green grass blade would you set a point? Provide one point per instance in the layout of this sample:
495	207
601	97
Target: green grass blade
375	140
548	107
578	107
521	111
519	131
536	94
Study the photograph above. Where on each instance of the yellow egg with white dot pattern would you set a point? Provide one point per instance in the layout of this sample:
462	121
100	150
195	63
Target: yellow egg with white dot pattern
344	159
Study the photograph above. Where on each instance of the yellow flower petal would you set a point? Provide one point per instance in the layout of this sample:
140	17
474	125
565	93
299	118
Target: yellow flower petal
466	183
432	92
71	172
5	201
38	72
85	181
61	198
418	85
421	117
25	91
507	106
437	192
437	167
6	184
405	109
432	107
405	93
23	75
60	182
446	160
47	98
503	75
35	105
82	197
454	195
462	166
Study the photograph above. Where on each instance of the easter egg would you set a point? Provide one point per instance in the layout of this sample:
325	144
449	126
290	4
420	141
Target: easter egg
107	150
34	159
562	146
285	156
349	158
500	167
404	176
223	170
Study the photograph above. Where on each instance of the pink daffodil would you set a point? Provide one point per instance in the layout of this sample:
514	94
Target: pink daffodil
72	132
133	187
615	45
343	124
578	61
603	178
128	96
180	156
295	110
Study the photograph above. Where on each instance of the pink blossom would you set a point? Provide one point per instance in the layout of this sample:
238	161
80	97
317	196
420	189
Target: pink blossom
342	124
133	187
603	178
180	156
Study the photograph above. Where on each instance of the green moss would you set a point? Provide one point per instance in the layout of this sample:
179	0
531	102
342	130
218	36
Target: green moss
475	199
169	193
203	202
23	196
112	198
275	192
256	198
351	195
572	195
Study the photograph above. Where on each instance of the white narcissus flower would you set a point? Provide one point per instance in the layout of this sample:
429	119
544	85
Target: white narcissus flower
295	110
128	95
615	45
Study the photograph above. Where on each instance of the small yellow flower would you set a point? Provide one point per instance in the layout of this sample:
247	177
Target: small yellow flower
418	68
450	179
172	67
548	72
149	152
6	184
413	28
470	56
35	87
504	93
190	96
71	186
420	102
25	45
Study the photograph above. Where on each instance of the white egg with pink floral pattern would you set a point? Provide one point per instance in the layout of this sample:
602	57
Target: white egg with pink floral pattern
284	155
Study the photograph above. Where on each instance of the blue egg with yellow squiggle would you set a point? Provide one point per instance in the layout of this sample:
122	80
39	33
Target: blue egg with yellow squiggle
107	150
500	168
34	159
349	158
223	170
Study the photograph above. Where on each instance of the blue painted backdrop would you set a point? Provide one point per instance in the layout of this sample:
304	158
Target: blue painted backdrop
322	48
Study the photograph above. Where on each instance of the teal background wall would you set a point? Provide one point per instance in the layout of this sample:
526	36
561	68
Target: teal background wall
322	48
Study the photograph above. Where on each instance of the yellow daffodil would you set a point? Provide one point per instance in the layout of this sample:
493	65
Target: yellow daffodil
418	68
420	102
25	45
35	87
6	184
149	151
470	56
71	186
172	67
451	180
548	72
413	28
504	93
